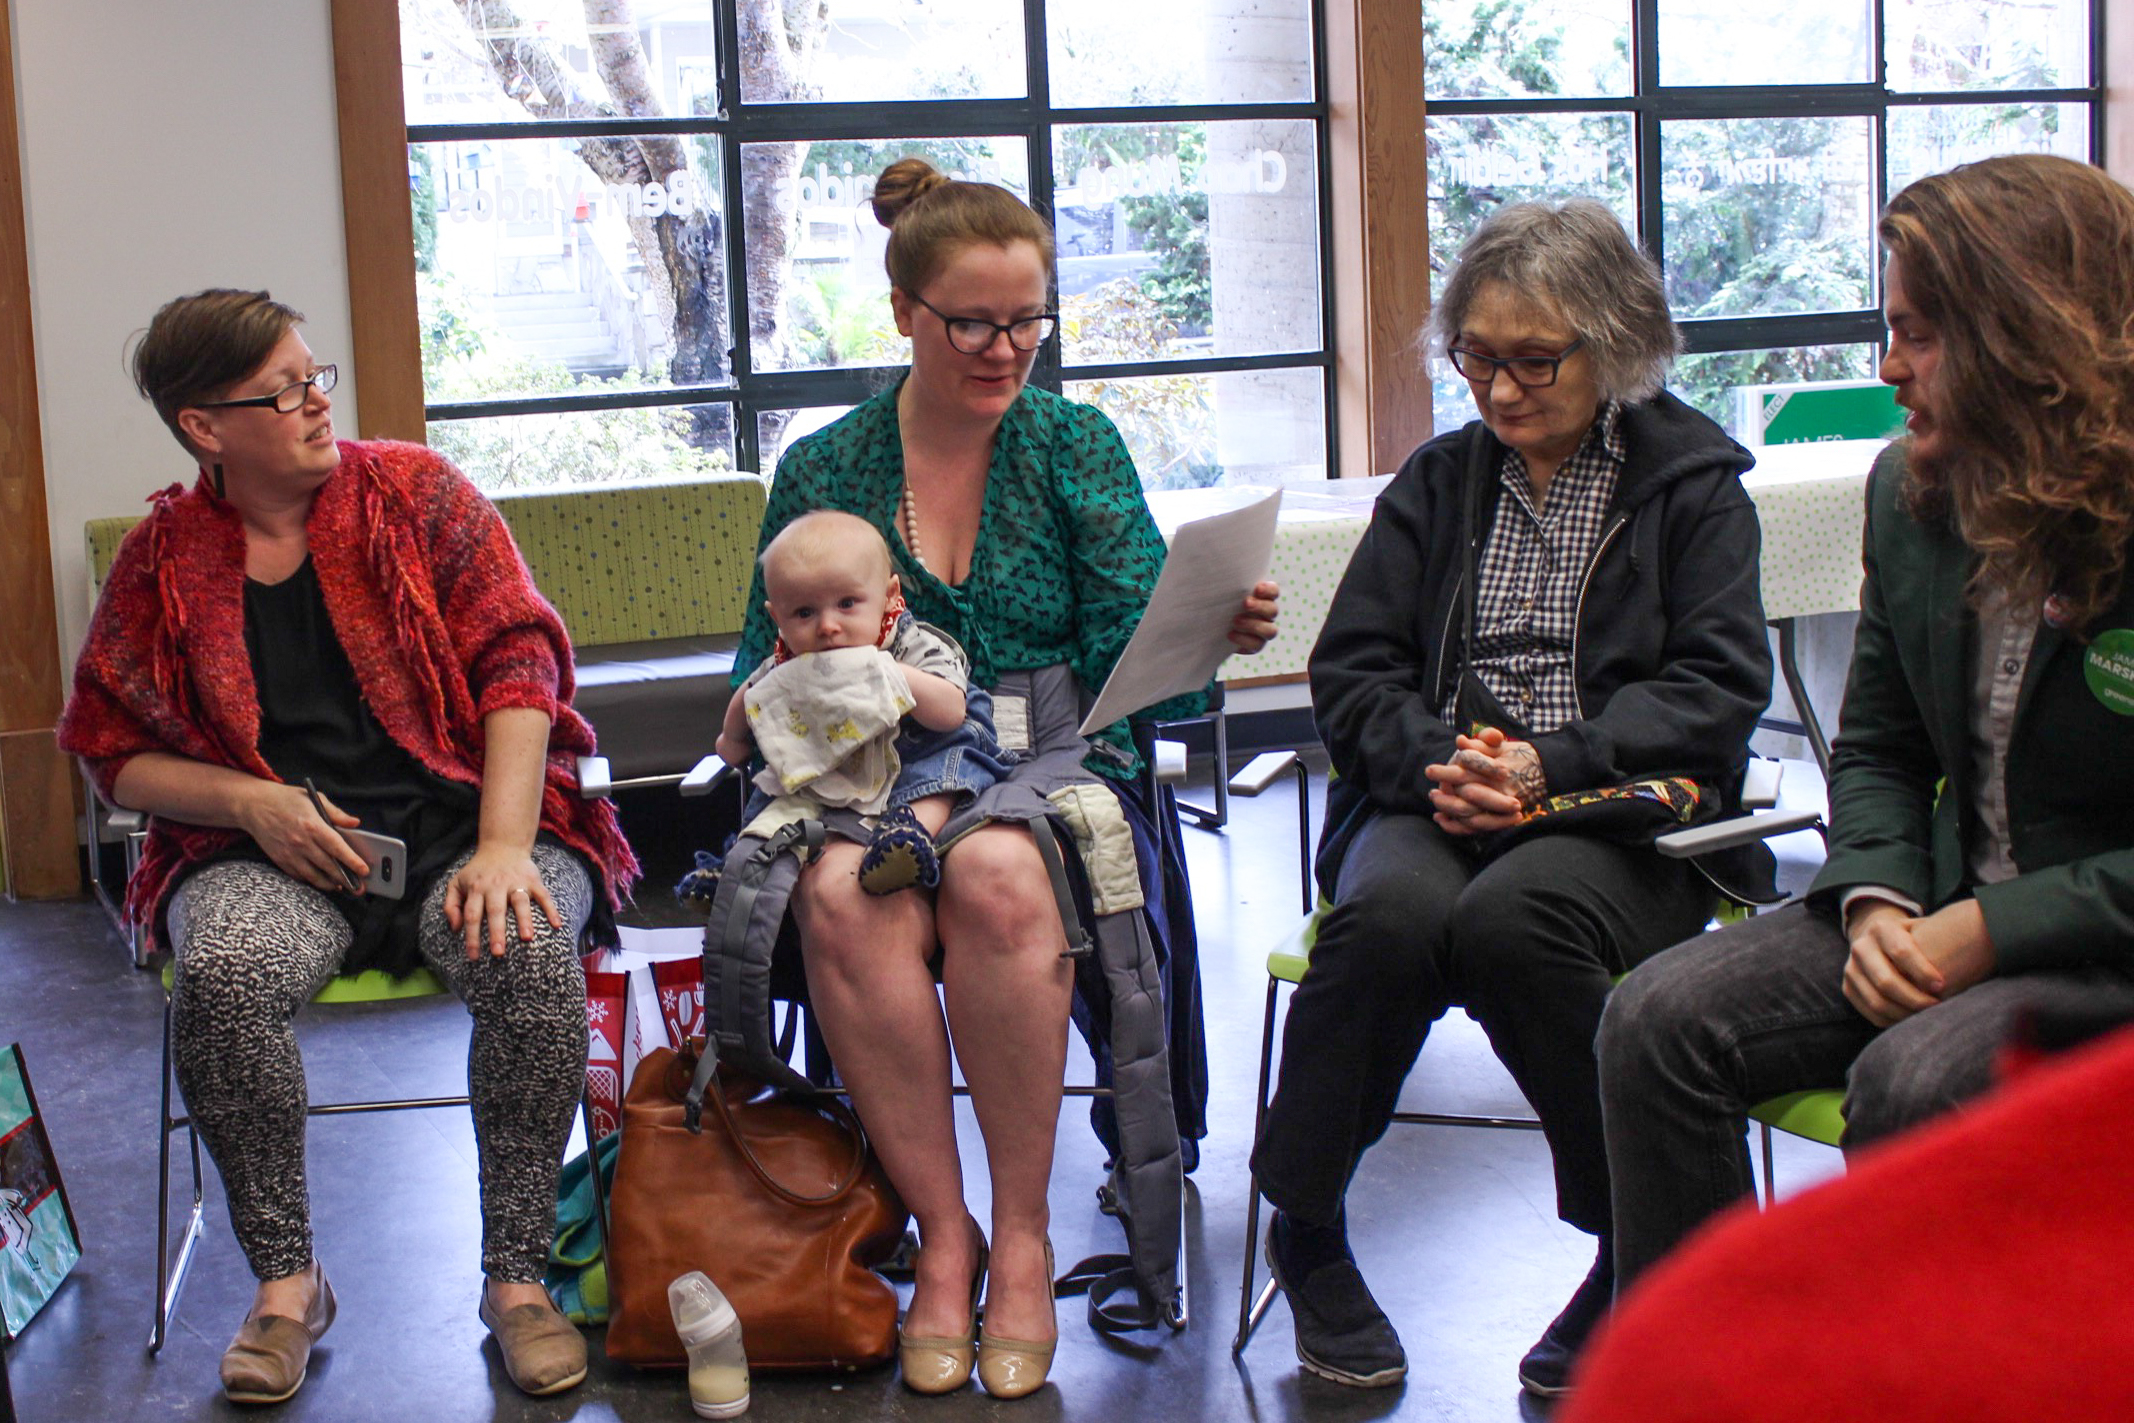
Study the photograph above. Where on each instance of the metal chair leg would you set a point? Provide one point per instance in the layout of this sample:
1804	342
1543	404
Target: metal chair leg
1803	709
600	1193
1304	833
1770	1180
1249	1310
170	1281
1219	816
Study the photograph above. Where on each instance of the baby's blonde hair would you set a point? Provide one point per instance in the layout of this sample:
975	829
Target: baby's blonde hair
826	536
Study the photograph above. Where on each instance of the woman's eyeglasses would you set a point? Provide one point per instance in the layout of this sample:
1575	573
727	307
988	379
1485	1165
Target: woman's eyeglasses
1529	371
973	336
286	401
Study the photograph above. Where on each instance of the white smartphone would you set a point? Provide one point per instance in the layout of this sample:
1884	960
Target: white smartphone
386	859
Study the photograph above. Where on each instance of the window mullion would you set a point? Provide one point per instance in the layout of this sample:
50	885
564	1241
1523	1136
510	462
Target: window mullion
1329	386
740	357
1645	57
1037	129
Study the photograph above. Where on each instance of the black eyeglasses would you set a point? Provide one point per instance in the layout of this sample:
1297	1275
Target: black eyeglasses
1532	372
286	401
973	336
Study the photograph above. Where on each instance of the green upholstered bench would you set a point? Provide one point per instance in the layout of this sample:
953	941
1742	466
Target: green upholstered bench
652	581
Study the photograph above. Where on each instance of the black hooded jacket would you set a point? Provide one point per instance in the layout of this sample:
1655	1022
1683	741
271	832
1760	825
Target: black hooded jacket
1672	663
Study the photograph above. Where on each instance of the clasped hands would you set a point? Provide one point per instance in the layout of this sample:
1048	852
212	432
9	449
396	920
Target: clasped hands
1490	784
1899	964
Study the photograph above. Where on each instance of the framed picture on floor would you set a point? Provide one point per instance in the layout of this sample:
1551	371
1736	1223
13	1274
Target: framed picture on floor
38	1240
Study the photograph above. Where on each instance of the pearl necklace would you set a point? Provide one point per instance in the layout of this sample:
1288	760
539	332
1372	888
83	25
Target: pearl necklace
911	526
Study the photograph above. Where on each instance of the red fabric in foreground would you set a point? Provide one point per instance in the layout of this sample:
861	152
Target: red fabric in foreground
1980	1268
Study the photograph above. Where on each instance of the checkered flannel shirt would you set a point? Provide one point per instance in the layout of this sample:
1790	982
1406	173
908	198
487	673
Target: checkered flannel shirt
1531	567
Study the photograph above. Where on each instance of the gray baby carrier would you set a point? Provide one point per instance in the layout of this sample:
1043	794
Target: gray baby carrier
1088	850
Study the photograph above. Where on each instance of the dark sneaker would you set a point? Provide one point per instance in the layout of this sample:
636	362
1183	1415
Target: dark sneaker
1546	1370
900	856
1342	1334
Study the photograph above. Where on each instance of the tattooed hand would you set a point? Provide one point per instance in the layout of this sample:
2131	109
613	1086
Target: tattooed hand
1523	774
1489	784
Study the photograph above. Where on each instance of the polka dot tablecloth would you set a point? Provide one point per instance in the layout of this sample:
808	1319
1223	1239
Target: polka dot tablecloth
1318	530
1810	499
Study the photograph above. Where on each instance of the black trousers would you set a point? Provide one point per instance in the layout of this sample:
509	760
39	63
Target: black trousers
1528	941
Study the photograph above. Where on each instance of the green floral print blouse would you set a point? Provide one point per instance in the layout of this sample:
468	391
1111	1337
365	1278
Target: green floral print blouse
1066	557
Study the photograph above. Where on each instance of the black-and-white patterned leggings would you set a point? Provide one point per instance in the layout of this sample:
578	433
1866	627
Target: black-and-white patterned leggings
254	946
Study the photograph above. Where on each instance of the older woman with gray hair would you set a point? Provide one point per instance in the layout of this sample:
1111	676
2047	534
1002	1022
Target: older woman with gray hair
1548	648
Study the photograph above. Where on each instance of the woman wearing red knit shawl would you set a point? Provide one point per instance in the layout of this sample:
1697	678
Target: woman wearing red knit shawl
353	614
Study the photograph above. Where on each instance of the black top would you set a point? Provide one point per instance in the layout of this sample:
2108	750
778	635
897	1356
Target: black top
313	722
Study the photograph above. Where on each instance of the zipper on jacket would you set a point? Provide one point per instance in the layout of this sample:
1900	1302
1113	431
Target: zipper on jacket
1444	642
1578	616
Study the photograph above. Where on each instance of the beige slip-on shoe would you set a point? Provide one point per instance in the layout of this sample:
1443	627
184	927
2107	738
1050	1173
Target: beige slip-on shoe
941	1363
1011	1368
271	1356
543	1352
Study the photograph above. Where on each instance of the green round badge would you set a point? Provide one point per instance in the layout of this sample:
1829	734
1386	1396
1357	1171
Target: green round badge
2109	669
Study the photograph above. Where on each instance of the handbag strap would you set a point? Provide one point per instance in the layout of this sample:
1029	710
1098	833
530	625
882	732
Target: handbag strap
830	1107
1046	837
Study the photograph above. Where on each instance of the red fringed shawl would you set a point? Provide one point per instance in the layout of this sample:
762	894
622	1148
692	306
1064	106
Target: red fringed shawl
429	598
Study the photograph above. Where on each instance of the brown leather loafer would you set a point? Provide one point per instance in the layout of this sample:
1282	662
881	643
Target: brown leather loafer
543	1352
271	1355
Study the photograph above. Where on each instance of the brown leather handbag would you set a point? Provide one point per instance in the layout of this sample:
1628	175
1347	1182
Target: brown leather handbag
777	1199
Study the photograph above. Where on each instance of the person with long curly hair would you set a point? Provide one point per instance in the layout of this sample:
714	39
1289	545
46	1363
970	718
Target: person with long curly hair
1981	851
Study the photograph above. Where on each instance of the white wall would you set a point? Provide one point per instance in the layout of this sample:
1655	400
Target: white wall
165	148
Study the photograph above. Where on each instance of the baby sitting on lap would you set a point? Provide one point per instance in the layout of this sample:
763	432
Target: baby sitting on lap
827	711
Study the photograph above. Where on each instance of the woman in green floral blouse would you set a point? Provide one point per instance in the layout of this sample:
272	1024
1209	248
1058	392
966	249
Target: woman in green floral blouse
1017	526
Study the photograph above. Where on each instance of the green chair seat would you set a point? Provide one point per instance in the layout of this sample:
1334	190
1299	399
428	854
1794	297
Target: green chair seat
1287	960
370	986
1817	1114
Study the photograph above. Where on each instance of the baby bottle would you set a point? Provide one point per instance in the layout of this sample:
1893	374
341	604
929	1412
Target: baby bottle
711	1331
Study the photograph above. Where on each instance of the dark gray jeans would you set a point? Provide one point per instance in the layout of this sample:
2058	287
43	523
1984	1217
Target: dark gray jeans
1700	1033
1527	942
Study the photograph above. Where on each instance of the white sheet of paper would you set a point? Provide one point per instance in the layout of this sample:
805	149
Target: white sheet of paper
1185	633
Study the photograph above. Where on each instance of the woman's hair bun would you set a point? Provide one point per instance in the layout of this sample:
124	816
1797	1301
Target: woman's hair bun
903	183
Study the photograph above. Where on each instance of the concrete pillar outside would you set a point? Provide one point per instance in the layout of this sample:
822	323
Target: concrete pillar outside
1263	242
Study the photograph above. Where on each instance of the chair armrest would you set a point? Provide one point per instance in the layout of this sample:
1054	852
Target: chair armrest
595	780
705	776
116	817
1734	831
1170	762
1262	771
1759	786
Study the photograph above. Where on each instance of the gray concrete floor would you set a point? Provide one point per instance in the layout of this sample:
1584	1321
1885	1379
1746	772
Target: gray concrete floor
1455	1227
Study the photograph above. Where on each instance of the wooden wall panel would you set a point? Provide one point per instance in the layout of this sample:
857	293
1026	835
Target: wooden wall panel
36	799
386	334
1381	250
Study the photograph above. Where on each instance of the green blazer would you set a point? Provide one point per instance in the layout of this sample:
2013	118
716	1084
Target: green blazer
1905	732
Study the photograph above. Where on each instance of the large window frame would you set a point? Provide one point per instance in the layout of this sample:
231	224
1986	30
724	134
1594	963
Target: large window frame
1652	105
384	300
